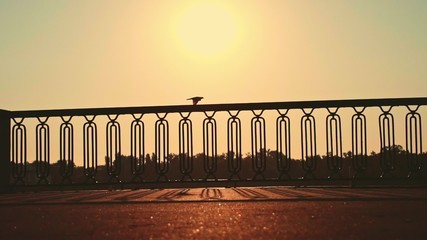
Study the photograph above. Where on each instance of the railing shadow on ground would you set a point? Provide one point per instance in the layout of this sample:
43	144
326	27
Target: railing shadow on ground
102	131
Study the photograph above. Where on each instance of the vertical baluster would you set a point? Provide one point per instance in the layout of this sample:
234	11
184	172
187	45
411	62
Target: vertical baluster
308	143
186	147
210	151
334	143
283	144
388	147
414	142
162	147
19	151
258	145
234	145
114	153
66	150
137	147
90	149
359	143
42	151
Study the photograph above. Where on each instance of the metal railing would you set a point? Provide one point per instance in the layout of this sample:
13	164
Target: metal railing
261	166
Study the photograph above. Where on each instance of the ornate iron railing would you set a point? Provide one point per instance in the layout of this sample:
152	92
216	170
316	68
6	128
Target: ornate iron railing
210	167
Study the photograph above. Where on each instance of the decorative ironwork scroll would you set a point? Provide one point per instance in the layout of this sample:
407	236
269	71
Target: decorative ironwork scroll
283	144
387	144
234	145
162	147
210	148
334	143
42	151
90	149
359	141
308	143
114	153
19	151
186	147
66	150
258	144
137	147
414	141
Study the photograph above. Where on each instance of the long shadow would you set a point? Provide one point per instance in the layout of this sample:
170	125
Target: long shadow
335	193
211	193
249	193
56	196
35	197
288	193
93	196
171	195
385	193
135	195
360	193
340	194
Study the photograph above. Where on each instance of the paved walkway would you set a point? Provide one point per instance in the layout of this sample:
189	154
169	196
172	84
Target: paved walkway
214	194
217	213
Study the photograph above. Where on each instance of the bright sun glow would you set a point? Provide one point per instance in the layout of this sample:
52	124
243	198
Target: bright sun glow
206	28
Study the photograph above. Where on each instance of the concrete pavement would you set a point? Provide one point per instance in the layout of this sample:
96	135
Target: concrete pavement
213	194
217	213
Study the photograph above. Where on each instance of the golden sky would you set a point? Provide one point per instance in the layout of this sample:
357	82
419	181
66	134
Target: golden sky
57	54
102	53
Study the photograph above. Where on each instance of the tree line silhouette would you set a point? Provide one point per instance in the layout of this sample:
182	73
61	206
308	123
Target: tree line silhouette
124	168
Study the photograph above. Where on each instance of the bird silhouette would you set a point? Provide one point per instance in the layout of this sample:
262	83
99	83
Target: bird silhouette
195	100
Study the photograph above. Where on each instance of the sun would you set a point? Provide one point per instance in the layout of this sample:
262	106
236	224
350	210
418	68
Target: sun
206	28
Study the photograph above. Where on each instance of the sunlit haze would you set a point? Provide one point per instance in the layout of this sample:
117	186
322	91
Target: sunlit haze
213	119
206	29
68	54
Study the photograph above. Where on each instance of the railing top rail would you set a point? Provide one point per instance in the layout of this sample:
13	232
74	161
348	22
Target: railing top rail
223	107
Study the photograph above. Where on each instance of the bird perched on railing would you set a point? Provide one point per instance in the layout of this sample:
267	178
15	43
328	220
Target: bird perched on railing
195	100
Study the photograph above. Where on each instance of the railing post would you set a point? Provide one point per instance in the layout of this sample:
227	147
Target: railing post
4	150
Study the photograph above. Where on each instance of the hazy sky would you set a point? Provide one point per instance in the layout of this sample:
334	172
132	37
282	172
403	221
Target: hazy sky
101	53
